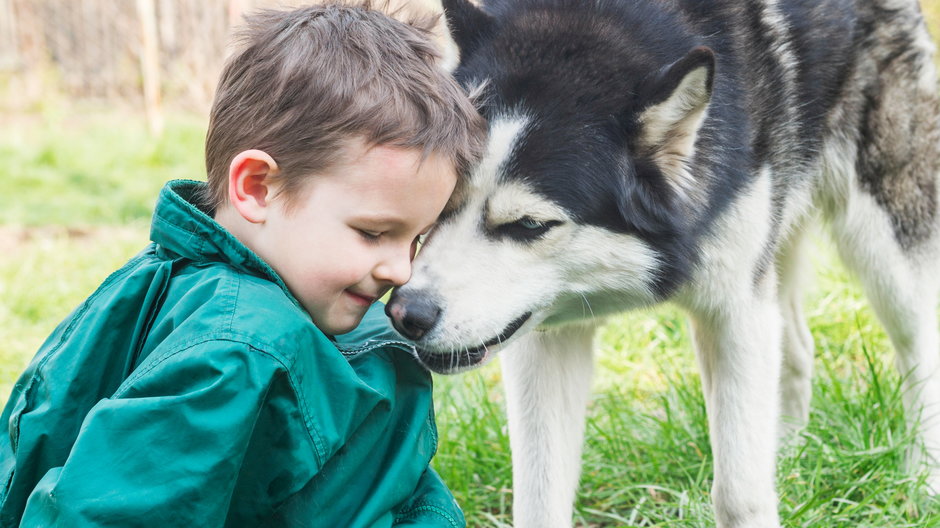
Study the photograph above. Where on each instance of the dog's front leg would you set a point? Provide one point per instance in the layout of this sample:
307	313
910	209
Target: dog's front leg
548	380
739	352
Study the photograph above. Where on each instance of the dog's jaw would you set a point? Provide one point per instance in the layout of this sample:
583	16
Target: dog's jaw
455	361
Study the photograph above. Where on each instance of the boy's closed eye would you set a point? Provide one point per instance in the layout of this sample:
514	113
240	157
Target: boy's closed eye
374	236
369	235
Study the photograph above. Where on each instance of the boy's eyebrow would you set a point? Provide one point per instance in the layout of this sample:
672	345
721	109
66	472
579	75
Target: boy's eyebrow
380	218
390	220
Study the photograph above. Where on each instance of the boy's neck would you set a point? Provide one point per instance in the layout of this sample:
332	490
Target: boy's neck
227	217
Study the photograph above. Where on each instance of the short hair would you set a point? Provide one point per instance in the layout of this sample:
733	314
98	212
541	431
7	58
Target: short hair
306	80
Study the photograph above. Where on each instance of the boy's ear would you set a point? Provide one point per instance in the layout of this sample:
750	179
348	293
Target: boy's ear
249	184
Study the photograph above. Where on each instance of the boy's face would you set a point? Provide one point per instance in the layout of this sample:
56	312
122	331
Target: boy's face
352	234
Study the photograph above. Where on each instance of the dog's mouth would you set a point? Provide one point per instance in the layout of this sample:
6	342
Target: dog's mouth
457	360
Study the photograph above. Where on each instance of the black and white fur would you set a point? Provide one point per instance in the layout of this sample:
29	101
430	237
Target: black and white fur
643	151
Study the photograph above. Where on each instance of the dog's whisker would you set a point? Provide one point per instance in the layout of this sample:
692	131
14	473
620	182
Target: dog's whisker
588	304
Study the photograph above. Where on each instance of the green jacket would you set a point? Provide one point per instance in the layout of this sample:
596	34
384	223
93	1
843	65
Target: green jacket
192	390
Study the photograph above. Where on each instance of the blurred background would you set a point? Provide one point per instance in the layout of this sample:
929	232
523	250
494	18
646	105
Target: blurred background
102	101
148	54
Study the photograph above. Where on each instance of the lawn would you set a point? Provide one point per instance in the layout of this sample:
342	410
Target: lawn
79	188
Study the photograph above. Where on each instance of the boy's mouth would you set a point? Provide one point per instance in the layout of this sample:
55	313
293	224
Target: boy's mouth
358	298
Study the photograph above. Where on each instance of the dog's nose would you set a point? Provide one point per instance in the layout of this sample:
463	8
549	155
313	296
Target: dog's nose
412	315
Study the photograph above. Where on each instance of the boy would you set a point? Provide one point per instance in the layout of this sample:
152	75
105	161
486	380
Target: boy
207	383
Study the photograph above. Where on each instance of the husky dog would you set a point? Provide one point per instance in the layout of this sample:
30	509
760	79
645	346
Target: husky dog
643	151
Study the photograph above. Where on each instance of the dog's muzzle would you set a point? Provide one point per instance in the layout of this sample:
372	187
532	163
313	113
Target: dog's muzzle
414	315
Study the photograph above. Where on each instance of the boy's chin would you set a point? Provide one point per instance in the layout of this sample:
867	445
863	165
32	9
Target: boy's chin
340	326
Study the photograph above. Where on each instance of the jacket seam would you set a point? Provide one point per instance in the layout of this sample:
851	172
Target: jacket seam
350	351
234	307
6	486
432	427
421	507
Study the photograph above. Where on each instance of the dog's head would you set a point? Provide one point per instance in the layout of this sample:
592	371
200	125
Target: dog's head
582	203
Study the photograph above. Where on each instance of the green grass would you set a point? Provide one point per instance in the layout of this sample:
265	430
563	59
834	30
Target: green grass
92	167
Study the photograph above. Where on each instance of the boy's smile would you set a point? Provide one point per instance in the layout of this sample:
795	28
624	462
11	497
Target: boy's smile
351	234
365	300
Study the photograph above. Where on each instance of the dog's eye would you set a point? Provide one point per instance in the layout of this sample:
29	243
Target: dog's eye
529	223
526	229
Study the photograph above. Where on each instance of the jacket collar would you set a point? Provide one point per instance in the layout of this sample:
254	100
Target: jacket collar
182	228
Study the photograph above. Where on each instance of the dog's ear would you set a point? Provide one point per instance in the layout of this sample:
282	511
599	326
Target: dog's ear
677	99
468	24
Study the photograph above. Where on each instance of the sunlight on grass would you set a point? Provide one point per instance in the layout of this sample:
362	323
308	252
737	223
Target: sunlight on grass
99	169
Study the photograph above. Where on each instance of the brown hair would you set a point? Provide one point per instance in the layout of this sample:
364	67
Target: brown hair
307	79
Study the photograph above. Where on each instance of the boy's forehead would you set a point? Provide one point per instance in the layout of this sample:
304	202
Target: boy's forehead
386	184
392	163
358	148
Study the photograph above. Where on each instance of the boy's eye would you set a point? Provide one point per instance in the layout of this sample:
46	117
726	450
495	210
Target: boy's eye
369	235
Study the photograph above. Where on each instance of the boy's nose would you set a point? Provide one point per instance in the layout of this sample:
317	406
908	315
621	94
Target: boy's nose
395	270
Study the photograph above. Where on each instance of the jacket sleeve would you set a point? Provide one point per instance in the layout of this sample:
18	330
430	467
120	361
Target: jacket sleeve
166	449
431	505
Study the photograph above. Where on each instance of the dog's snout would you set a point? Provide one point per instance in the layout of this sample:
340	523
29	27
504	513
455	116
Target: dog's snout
412	315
